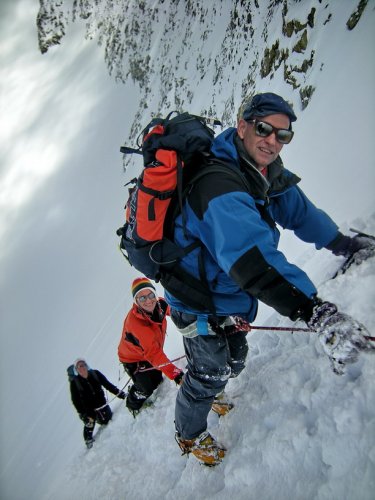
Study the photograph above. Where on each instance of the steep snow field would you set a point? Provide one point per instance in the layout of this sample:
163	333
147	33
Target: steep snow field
297	432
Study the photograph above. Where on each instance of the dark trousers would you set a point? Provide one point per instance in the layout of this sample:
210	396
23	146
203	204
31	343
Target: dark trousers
144	383
212	360
102	417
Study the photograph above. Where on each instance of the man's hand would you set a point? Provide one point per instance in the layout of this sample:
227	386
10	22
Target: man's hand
342	336
360	247
121	395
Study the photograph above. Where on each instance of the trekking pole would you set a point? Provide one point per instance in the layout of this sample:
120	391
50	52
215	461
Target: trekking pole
285	329
280	328
241	324
247	325
359	233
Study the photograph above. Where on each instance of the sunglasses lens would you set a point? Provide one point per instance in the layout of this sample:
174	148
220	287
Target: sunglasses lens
150	296
284	136
263	129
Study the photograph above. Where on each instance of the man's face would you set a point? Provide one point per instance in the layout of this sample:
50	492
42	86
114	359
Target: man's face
263	150
146	300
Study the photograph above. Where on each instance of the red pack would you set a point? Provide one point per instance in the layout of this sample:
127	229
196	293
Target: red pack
173	150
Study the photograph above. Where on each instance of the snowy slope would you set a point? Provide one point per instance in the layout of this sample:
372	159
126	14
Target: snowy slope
298	431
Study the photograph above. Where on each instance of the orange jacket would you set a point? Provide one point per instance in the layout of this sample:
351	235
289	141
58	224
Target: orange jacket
142	339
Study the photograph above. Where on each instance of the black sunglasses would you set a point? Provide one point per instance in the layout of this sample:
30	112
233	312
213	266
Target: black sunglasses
264	129
143	298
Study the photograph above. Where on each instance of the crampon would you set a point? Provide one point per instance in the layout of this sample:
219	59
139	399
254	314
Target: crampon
205	448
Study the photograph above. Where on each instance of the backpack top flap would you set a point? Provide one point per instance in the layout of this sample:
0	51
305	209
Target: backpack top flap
185	133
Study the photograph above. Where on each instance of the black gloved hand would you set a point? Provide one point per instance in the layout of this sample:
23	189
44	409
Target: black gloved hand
121	395
346	246
179	378
342	336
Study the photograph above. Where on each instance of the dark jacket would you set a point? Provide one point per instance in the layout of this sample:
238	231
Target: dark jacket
237	227
87	394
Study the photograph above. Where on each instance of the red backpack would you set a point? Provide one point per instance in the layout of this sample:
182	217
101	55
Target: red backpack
174	151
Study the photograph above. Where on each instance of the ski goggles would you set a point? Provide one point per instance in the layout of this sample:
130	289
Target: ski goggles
143	298
264	129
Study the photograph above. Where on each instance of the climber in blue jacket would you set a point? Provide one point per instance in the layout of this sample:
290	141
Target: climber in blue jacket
235	221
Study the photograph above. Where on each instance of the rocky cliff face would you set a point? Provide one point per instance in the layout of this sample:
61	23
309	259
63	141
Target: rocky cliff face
176	49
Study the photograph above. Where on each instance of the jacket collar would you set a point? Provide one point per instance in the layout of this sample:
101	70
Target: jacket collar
259	185
228	147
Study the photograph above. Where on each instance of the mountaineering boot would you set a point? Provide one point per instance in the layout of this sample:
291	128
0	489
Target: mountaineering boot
137	411
220	405
204	448
89	443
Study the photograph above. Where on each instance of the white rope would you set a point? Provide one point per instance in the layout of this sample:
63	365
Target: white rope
114	397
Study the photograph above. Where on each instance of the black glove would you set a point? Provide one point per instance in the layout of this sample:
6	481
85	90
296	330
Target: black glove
121	395
342	336
346	246
179	378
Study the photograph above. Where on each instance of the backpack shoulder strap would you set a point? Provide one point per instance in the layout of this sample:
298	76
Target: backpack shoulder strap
77	383
72	376
95	375
179	282
218	166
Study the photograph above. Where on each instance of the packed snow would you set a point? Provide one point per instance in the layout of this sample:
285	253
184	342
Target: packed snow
297	431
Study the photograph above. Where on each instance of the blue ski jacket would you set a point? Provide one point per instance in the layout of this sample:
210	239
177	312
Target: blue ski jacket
236	226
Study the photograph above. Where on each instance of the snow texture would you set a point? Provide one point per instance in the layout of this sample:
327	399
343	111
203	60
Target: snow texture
297	431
